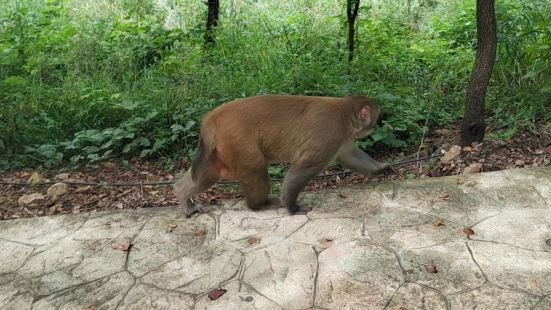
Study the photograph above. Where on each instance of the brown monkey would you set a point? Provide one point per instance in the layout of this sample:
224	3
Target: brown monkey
239	139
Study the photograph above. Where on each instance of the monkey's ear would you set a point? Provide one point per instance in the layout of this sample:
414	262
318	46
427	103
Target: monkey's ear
365	113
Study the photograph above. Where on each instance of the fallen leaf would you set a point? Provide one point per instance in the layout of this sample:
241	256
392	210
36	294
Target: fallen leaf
92	246
253	240
61	177
122	246
452	154
460	181
473	168
343	195
82	189
200	232
215	294
57	207
547	149
442	132
438	222
325	242
467	149
30	199
431	267
56	190
35	178
444	197
520	163
170	228
468	231
471	183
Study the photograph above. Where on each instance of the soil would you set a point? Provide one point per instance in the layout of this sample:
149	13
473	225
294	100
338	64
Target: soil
527	148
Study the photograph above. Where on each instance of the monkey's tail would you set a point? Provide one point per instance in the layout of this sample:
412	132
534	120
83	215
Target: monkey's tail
205	150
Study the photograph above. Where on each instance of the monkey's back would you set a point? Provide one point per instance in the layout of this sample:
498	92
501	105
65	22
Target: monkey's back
277	127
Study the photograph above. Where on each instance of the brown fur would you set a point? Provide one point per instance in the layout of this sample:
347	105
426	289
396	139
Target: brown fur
239	139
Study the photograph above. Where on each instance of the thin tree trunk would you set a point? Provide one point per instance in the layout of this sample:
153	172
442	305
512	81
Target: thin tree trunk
212	20
352	7
474	126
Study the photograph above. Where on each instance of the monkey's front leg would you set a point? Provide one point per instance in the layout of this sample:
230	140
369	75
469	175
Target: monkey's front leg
353	158
186	187
295	181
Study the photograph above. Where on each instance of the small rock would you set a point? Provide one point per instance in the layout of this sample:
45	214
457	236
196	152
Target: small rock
519	163
248	298
473	168
57	190
35	178
452	154
30	199
61	177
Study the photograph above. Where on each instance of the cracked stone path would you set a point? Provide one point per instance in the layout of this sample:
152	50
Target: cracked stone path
365	247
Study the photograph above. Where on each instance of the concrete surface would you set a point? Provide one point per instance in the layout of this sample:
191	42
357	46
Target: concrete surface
368	247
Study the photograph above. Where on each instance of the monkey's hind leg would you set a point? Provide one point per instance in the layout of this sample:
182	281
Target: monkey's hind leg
186	187
256	188
295	181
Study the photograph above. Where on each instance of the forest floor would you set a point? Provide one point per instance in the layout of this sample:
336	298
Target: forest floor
526	148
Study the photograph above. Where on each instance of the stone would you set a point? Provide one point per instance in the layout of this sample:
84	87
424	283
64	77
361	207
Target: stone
284	273
61	177
357	275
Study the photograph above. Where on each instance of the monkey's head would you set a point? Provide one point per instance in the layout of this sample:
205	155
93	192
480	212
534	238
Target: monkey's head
367	113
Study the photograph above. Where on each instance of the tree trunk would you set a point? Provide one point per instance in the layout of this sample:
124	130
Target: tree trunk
474	126
212	20
352	7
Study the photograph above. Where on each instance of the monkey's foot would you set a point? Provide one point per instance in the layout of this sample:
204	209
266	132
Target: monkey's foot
189	210
301	210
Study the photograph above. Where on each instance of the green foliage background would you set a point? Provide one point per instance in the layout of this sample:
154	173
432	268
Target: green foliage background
88	80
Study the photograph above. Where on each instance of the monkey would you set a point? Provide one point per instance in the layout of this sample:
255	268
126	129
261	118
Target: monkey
239	139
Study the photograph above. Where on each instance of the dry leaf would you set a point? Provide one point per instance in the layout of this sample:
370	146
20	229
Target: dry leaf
520	163
170	227
215	294
31	199
82	189
467	149
343	194
460	181
452	154
122	246
471	183
61	177
92	246
57	207
438	222
473	168
56	190
35	178
444	197
547	149
431	267
253	240
468	231
200	232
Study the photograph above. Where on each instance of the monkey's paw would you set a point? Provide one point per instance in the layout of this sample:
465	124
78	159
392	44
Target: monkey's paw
189	210
301	210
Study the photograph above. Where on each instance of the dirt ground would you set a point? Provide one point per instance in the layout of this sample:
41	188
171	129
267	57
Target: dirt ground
528	148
